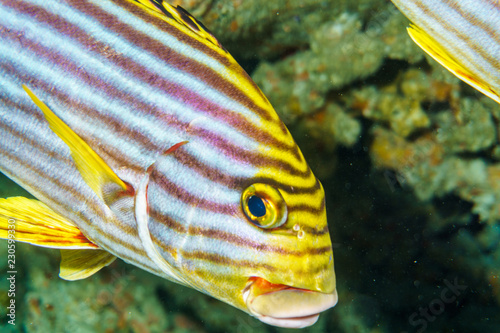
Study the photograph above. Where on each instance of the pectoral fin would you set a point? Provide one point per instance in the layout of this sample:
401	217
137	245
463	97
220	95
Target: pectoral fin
80	264
438	53
31	221
96	173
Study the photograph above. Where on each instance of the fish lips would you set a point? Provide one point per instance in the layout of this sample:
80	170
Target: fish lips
287	307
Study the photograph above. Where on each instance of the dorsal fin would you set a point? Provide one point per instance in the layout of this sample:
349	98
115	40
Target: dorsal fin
181	16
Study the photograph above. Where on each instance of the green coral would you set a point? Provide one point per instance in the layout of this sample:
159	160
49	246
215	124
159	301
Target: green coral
340	54
266	29
470	129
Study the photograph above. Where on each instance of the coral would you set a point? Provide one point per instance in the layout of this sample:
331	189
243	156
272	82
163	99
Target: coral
266	29
101	304
432	166
468	129
404	115
340	54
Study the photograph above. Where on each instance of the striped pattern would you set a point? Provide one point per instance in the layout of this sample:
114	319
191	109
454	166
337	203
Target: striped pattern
133	82
469	31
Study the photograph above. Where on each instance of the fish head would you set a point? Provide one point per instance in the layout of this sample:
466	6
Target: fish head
269	253
297	280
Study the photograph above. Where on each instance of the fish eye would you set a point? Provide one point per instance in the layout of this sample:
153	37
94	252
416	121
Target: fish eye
264	206
256	206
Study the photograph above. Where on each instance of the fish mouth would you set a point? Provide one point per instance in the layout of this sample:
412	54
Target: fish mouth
284	306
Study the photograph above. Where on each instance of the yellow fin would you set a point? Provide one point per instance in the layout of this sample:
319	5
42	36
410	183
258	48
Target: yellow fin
438	53
35	223
96	173
80	264
182	17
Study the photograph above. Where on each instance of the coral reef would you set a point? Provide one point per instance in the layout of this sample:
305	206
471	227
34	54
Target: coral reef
267	29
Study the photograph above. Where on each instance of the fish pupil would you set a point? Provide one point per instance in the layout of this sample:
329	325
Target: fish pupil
256	206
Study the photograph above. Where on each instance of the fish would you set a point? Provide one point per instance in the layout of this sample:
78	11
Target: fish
463	36
141	138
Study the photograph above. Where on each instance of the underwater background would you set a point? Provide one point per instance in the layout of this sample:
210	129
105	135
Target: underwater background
409	158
